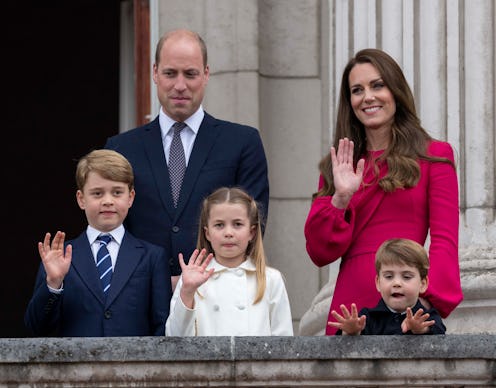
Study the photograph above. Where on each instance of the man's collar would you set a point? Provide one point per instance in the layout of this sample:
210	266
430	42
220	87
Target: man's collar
193	122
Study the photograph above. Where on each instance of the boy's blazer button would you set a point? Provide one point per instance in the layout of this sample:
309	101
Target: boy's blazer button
175	228
108	314
171	261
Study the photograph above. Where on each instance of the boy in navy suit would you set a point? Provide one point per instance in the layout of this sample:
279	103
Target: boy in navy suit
69	299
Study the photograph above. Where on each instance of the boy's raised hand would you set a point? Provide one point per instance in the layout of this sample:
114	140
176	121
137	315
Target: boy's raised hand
55	261
418	323
194	274
349	323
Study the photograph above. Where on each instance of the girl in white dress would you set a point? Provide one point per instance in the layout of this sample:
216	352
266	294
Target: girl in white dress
226	289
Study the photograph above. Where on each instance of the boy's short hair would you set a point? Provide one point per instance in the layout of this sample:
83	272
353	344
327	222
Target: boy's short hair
108	164
402	251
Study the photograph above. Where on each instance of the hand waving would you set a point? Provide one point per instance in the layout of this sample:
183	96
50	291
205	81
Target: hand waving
194	274
418	323
346	179
349	323
55	261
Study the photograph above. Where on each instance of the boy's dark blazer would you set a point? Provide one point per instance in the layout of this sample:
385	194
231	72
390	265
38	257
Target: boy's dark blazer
224	154
381	320
137	303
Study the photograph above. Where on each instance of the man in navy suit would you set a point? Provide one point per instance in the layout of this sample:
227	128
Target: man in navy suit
131	295
218	153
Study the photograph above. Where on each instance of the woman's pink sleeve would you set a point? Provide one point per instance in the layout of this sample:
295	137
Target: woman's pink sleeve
444	291
327	232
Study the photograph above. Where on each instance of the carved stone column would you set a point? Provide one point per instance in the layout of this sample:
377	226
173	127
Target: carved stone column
447	50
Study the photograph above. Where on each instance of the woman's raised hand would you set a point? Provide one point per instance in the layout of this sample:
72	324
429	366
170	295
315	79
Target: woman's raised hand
346	179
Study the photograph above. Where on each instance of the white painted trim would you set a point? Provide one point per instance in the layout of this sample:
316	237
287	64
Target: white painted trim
154	38
127	96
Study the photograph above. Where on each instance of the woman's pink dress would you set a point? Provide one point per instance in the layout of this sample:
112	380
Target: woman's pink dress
373	216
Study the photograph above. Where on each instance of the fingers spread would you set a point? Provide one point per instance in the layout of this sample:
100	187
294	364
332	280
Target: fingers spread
68	252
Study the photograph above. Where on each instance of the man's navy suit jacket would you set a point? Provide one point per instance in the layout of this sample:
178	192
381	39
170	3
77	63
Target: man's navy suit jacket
224	154
137	303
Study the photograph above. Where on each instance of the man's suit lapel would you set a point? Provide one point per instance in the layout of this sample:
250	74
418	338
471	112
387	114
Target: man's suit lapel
205	139
130	254
155	152
83	263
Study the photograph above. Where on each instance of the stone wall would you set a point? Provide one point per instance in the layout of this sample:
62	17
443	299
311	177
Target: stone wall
445	360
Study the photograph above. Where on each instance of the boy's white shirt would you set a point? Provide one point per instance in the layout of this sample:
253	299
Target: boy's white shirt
113	246
224	305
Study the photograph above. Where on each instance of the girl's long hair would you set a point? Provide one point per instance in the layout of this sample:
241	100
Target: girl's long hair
409	141
255	248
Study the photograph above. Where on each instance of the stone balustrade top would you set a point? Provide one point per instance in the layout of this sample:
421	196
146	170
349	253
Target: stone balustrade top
442	360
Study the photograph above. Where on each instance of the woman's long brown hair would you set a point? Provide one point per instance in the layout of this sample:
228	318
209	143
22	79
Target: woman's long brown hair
408	141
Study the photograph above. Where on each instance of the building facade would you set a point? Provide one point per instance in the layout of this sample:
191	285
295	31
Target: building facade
276	65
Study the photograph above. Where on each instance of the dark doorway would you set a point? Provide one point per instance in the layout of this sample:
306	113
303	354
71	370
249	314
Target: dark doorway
62	83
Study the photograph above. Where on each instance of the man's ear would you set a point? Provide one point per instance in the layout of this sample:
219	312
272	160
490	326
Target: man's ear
206	72
155	73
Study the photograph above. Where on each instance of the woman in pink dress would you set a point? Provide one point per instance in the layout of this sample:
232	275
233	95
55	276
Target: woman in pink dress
385	177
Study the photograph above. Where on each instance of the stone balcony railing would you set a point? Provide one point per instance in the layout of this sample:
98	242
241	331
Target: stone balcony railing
463	360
